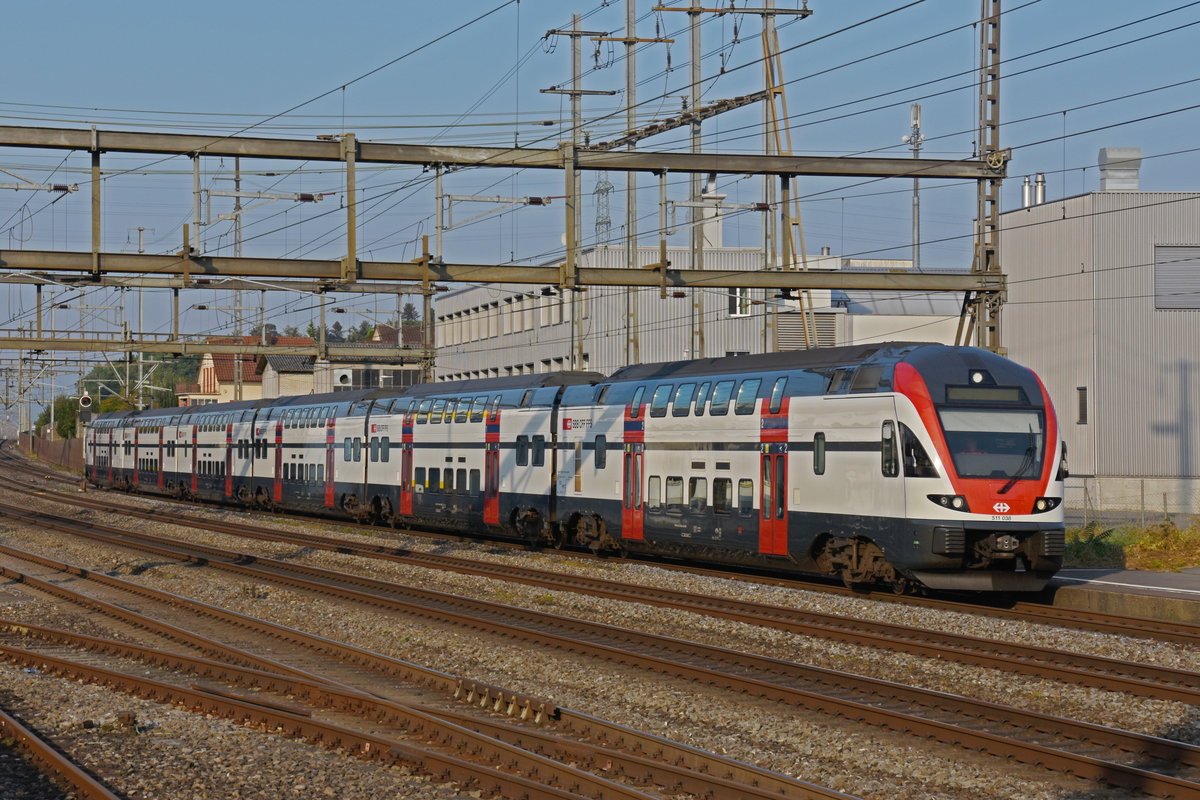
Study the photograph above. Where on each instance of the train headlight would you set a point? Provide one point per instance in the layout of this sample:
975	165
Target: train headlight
1044	504
954	502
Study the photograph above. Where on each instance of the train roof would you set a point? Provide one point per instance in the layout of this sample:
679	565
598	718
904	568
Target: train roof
823	358
537	381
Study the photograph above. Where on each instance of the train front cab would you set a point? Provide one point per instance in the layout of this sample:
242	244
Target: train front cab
984	472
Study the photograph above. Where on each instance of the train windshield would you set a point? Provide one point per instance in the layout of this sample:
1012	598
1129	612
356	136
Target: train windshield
995	443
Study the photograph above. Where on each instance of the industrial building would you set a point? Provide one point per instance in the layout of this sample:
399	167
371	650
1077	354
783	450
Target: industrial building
489	331
1104	303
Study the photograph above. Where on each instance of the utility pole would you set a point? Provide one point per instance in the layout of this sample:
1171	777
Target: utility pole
574	217
632	252
914	140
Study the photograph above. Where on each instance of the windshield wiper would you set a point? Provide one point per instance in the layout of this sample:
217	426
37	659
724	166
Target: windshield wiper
1026	463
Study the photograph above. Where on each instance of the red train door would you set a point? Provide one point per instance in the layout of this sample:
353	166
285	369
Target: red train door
329	462
773	497
229	459
491	470
195	458
632	521
160	457
137	455
406	464
632	477
278	493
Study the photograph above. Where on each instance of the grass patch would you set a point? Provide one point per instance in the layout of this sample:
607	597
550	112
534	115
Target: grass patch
1163	546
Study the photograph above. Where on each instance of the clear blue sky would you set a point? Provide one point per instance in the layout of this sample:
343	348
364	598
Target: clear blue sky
225	68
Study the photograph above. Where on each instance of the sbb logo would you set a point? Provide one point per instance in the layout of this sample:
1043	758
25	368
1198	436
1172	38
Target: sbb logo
1001	508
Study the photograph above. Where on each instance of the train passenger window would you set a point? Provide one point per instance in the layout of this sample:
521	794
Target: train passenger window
419	477
635	405
435	479
539	450
460	480
818	454
839	380
701	397
674	493
358	449
449	485
765	506
456	411
522	450
654	493
320	473
423	411
579	466
658	402
477	408
495	409
747	394
475	482
601	451
374	445
527	398
697	494
601	394
866	378
720	398
439	409
347	449
722	495
889	461
916	461
777	395
385	446
681	403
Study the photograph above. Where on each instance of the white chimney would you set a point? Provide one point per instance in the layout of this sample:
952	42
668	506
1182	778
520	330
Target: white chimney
1119	168
711	215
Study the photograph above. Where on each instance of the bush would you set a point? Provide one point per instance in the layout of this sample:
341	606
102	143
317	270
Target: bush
1162	546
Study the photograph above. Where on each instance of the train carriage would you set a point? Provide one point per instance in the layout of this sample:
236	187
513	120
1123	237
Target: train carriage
909	464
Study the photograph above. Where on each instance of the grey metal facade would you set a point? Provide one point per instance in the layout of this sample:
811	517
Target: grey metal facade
1123	374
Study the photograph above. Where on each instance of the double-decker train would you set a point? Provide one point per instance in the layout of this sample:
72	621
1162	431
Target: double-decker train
907	464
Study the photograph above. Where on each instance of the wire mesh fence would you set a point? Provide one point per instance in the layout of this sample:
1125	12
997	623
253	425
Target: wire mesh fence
1131	500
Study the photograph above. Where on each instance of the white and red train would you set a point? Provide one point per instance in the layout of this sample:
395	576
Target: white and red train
905	464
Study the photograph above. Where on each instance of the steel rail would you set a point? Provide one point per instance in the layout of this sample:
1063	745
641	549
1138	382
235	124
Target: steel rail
494	777
56	766
532	626
467	692
689	769
1092	621
1094	671
1079	619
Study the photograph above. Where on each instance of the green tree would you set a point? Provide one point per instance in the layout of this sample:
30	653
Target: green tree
66	410
409	315
291	330
360	333
335	333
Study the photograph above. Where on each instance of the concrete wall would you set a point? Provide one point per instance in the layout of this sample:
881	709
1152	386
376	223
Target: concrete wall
63	452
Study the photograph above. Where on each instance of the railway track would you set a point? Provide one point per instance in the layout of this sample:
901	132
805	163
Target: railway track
1105	673
1061	744
55	765
1027	611
326	682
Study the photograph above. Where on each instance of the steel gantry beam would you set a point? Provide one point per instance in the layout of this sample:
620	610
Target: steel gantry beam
525	157
206	272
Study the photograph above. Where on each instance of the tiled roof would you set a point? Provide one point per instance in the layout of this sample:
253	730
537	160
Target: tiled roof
225	365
